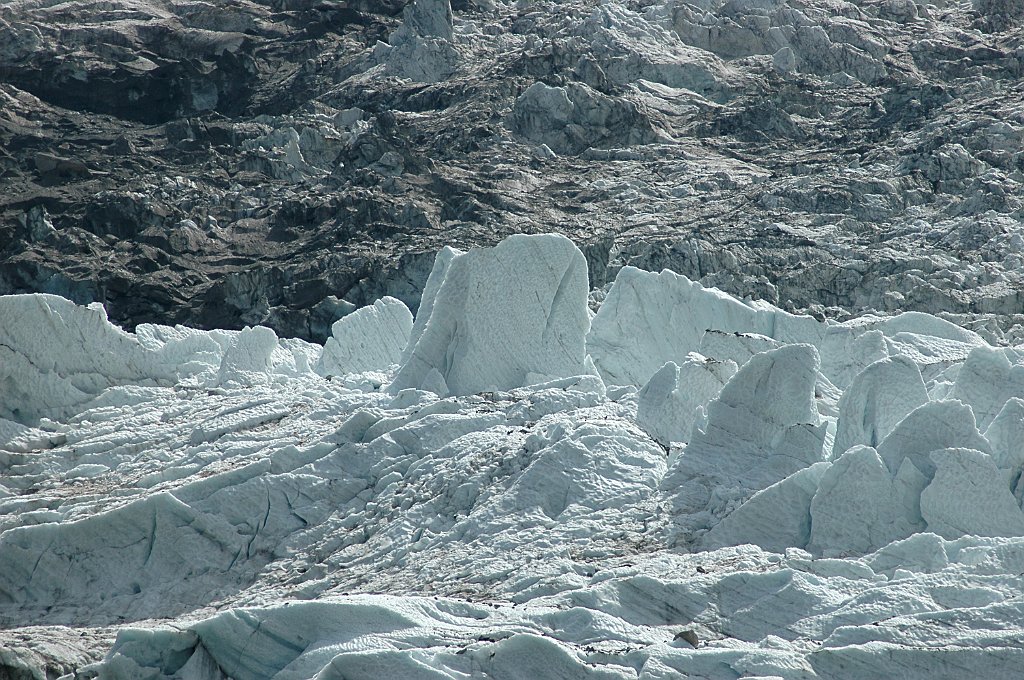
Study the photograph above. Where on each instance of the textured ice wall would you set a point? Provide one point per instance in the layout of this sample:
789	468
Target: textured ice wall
826	508
369	339
500	318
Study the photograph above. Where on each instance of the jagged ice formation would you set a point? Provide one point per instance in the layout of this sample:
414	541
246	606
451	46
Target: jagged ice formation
829	500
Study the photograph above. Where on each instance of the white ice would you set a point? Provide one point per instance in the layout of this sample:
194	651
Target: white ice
369	339
673	400
498	315
804	499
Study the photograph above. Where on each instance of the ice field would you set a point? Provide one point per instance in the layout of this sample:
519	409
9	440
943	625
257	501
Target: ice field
512	485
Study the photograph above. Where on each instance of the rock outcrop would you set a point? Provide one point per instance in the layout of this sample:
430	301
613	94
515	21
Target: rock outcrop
284	165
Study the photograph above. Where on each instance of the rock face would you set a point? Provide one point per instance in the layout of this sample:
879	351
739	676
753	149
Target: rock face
501	318
284	163
571	119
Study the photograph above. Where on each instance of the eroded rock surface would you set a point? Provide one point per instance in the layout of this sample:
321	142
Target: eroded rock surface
285	163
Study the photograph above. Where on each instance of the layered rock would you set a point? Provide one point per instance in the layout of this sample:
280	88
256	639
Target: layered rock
248	166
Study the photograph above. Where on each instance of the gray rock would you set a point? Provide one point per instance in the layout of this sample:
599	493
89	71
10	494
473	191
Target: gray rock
573	118
831	161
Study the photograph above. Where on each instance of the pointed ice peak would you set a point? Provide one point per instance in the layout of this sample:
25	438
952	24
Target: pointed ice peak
370	339
989	378
778	386
673	399
858	506
1006	435
930	427
876	401
490	317
968	495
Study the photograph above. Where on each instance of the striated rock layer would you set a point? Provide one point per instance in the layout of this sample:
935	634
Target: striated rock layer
282	163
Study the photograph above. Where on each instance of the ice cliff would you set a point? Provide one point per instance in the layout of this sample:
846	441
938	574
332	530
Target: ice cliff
685	485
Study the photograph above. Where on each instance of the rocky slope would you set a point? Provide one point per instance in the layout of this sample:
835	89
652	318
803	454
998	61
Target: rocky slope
282	162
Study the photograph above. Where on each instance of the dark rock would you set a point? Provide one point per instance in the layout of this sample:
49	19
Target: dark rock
278	162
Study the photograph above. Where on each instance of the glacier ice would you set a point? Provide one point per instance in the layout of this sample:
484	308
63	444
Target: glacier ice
774	518
55	356
250	357
876	401
988	379
763	427
856	507
1006	436
649	319
968	495
499	315
421	48
930	427
371	338
673	399
439	496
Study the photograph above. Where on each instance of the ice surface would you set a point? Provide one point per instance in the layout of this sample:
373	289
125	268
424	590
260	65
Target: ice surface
442	261
369	339
674	398
1006	436
775	518
55	356
968	495
857	507
250	358
500	314
986	381
649	319
930	427
791	498
763	427
876	401
735	347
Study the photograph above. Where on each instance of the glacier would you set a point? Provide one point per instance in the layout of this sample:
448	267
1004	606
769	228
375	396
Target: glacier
682	484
